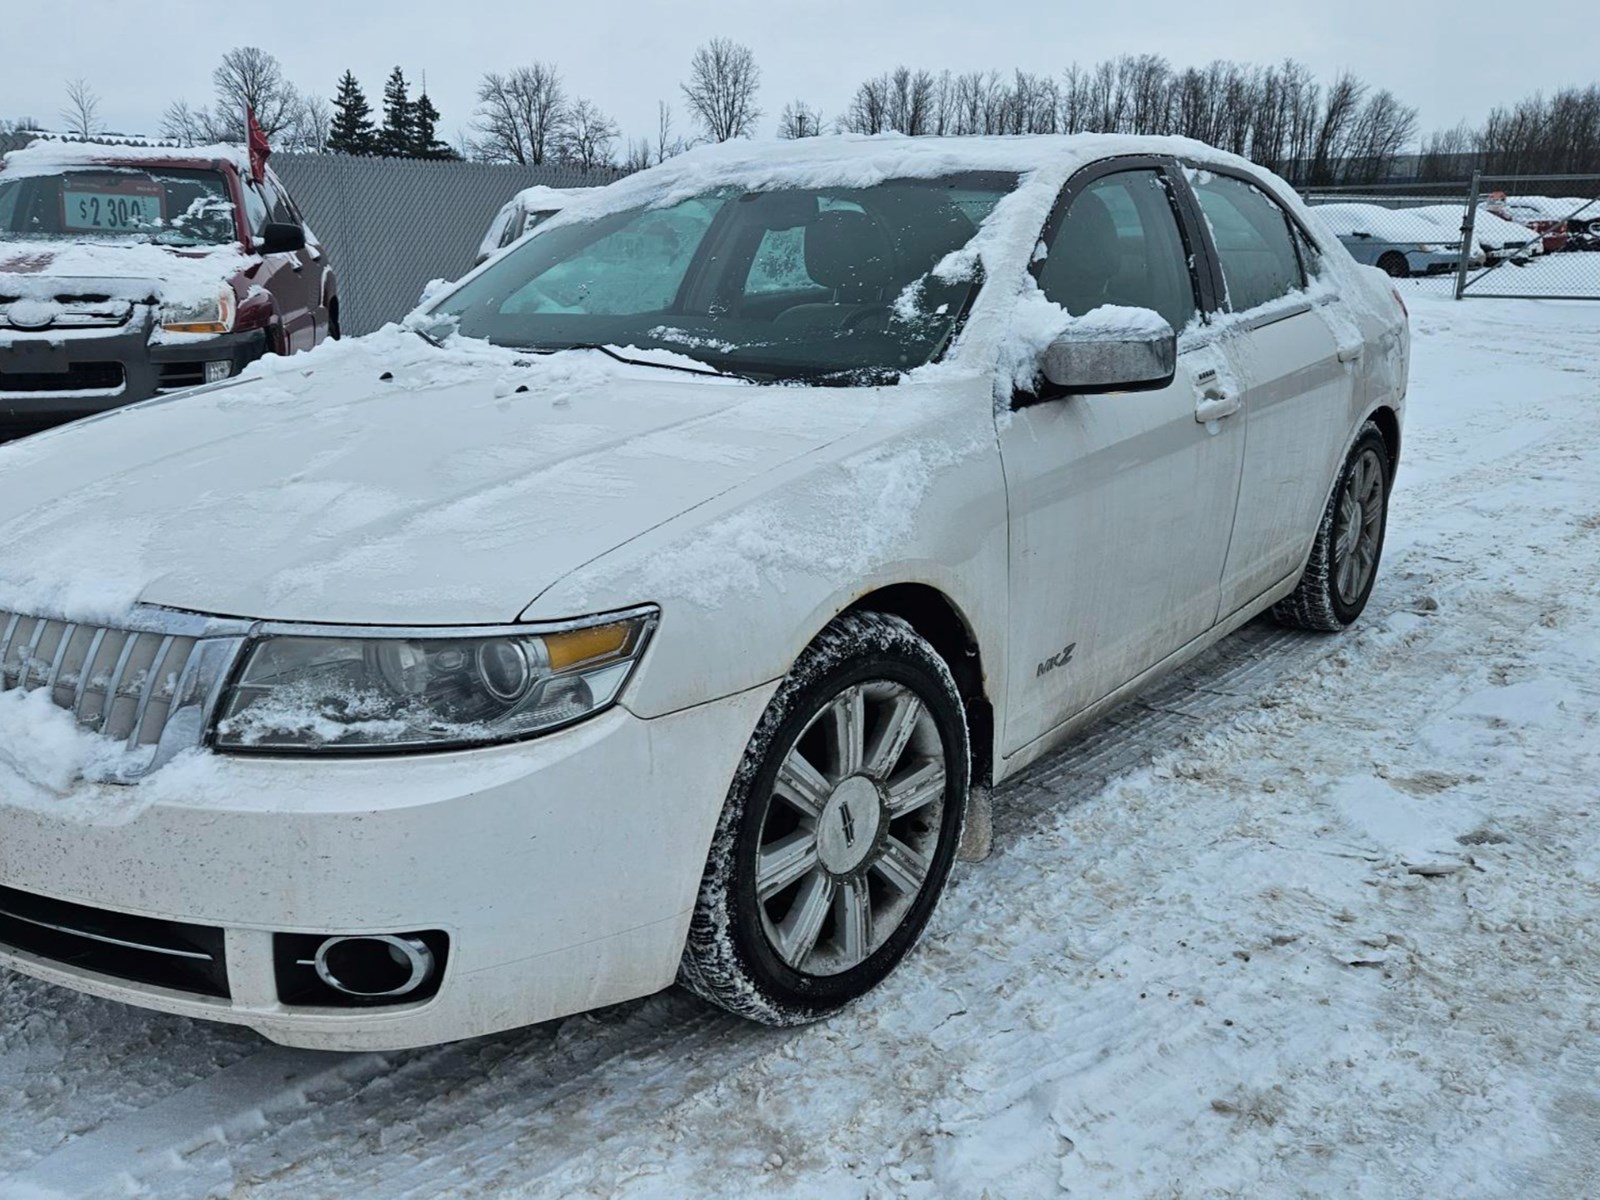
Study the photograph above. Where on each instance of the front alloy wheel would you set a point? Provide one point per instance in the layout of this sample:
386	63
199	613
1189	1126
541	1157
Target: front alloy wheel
839	831
849	832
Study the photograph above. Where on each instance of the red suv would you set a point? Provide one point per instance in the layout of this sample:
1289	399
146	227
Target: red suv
129	271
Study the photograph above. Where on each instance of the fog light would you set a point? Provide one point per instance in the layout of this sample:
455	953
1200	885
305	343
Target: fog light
219	370
384	966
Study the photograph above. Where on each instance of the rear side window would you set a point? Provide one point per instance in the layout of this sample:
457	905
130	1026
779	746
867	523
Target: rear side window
1120	244
1253	236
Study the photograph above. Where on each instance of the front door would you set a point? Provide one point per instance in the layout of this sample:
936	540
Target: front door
1121	505
294	279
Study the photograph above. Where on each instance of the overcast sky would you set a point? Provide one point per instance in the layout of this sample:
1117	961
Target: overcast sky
1453	60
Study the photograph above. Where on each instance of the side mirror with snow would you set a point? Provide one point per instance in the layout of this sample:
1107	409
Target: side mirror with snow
1139	358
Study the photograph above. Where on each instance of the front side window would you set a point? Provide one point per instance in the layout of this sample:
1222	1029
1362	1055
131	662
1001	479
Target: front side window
1253	240
255	209
166	205
1120	244
831	285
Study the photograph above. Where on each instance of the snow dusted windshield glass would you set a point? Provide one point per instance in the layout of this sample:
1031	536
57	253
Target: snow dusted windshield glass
832	285
170	206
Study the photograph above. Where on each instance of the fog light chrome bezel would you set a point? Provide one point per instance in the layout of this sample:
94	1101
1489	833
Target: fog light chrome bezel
414	951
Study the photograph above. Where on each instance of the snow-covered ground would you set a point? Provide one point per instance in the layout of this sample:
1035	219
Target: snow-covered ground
1314	919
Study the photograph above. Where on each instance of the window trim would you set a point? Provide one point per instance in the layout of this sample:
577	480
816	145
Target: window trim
1204	285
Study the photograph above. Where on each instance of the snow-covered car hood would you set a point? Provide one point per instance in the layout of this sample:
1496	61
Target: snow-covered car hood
383	481
133	271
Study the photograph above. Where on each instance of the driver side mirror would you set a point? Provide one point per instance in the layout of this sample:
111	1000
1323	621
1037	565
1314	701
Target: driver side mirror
1140	359
282	237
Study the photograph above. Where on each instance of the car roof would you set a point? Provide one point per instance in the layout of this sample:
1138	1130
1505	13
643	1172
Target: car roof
51	158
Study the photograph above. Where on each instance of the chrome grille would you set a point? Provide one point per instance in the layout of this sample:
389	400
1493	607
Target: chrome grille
118	683
80	313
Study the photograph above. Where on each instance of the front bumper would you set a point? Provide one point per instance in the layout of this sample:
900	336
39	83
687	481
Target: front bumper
563	869
49	379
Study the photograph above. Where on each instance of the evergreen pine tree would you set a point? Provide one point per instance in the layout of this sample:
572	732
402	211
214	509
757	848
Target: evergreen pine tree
425	142
352	131
395	138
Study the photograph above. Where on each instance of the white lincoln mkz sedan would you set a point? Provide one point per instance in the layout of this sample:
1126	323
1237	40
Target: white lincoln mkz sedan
655	604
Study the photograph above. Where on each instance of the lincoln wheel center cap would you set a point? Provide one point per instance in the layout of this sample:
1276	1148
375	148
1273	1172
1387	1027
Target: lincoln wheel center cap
847	832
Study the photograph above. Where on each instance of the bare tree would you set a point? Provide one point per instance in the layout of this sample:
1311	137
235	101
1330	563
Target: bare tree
1383	128
667	143
1339	113
640	156
799	120
519	114
82	113
868	111
585	136
184	125
309	126
249	76
721	92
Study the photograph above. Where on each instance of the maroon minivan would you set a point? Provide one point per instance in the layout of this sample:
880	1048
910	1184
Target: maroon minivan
130	271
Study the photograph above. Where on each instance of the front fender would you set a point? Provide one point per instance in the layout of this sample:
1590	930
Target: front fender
745	581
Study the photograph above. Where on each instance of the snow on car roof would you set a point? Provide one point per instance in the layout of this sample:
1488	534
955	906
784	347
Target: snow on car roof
1388	224
540	198
51	158
858	160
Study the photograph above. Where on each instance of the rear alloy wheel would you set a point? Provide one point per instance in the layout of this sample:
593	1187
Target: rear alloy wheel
1395	265
1343	566
839	831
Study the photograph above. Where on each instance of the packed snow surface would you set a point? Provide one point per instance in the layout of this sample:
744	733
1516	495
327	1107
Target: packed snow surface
1314	919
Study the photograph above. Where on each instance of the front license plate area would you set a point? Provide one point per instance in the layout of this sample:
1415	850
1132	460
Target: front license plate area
33	358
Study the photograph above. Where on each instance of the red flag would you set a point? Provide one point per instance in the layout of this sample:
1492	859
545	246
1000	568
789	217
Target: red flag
257	139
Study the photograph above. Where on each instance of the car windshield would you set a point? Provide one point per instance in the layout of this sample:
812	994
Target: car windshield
171	206
830	285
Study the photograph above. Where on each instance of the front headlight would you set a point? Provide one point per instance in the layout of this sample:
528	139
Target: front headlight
310	689
212	315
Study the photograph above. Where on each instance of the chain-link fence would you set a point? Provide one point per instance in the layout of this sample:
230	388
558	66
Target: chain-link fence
1531	236
1562	212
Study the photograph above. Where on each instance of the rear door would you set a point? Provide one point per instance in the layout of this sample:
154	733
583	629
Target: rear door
1121	505
1295	356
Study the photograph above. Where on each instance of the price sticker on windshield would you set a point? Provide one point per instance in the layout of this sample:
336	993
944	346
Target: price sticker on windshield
123	207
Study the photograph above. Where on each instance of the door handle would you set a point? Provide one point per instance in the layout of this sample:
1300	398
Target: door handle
1215	405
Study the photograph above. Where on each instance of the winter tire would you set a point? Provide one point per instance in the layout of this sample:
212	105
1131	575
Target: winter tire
1344	559
839	830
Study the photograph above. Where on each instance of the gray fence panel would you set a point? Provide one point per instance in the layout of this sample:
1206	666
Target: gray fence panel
391	225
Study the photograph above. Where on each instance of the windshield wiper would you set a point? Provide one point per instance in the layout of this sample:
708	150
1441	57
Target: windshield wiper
710	371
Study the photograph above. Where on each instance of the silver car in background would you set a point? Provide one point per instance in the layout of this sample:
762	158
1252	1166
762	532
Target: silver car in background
1396	241
522	214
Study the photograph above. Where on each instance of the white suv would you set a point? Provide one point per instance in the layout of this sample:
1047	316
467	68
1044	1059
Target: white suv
655	606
